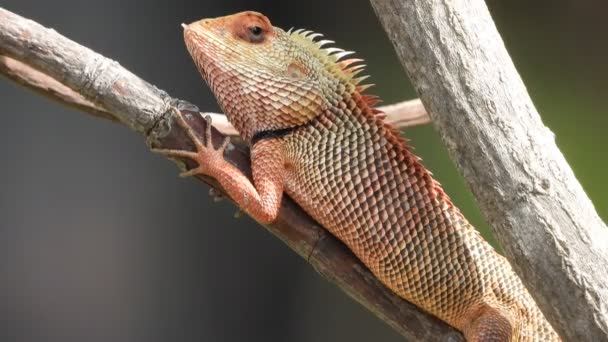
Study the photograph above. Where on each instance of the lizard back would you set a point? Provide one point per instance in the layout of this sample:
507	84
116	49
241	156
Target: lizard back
353	174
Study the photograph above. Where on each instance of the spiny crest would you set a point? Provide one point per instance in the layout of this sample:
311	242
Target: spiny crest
348	69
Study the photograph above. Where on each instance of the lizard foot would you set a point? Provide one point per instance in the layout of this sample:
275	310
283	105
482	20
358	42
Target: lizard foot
490	325
209	159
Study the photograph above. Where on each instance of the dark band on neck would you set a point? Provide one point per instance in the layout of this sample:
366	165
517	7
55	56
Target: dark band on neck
274	133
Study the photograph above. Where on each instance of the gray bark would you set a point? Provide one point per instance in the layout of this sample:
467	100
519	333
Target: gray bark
539	212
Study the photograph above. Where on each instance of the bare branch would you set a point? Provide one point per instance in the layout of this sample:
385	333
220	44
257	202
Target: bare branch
47	86
406	114
106	87
401	115
545	222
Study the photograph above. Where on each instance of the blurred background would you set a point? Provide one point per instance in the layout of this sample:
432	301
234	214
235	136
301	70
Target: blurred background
101	241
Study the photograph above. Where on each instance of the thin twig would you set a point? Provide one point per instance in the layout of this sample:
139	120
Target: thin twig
145	109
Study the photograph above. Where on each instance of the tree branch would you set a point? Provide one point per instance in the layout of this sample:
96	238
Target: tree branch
47	86
543	219
106	89
401	115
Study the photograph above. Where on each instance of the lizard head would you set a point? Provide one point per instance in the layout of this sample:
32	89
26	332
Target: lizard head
265	78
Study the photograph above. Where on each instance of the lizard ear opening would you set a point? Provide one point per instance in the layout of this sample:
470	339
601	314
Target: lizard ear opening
296	70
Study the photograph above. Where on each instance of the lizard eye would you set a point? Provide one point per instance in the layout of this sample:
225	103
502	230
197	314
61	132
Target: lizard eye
256	34
255	30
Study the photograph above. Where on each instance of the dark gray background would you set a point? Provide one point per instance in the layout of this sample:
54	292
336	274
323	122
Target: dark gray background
101	241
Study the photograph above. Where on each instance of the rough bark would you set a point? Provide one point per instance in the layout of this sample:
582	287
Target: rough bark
110	90
543	219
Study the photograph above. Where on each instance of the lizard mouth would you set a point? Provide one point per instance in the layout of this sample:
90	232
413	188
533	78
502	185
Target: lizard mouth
208	53
196	45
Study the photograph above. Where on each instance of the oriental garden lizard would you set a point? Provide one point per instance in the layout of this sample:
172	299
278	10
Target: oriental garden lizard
314	134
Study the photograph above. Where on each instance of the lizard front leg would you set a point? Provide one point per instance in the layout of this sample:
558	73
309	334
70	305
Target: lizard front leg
260	199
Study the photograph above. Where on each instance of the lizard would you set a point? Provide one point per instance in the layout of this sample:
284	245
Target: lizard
314	134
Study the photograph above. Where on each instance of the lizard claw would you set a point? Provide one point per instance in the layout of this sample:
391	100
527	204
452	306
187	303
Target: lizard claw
192	172
224	144
216	195
206	155
208	129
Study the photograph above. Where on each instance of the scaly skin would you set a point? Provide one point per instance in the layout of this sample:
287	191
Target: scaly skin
315	136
